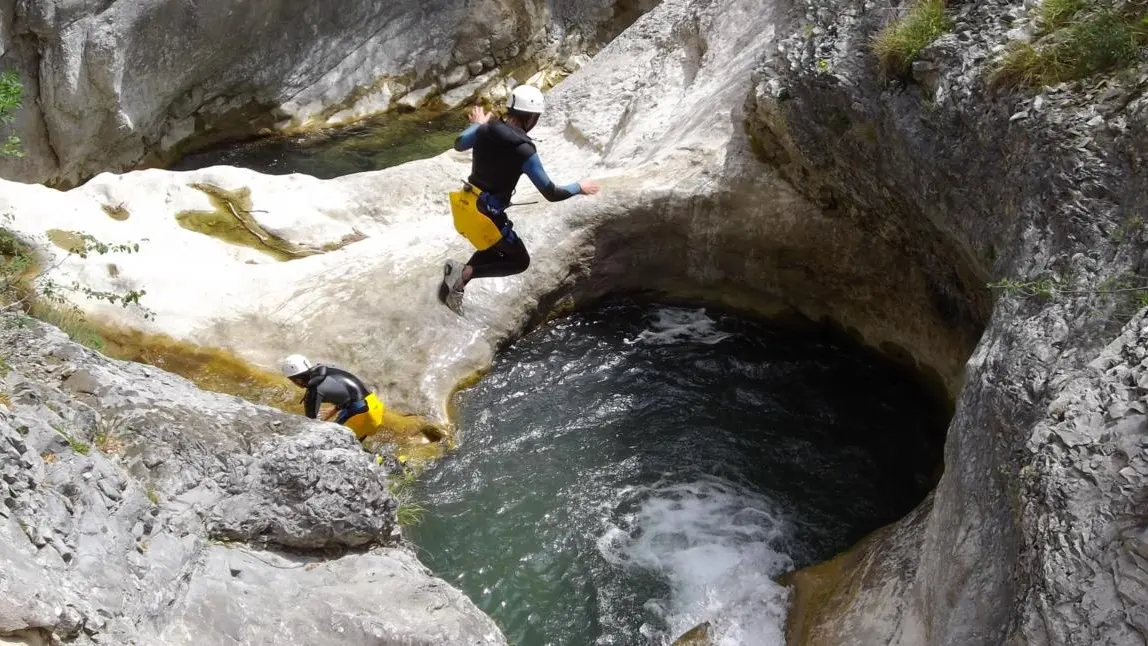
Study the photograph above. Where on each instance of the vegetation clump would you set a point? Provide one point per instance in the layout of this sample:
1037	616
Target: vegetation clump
76	445
1055	14
409	512
11	96
899	43
109	439
24	290
1078	39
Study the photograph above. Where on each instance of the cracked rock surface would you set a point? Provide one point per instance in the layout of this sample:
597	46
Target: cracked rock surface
138	509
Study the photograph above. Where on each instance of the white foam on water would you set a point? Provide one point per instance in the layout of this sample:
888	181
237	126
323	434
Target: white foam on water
714	542
678	325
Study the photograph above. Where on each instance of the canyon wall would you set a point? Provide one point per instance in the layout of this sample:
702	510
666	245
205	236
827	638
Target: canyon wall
113	84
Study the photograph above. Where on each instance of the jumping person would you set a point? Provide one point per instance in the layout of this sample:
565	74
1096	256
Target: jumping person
355	406
502	153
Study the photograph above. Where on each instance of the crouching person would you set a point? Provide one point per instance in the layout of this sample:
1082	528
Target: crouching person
355	406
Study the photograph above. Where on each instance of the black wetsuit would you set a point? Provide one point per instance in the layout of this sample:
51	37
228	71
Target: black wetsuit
502	153
334	386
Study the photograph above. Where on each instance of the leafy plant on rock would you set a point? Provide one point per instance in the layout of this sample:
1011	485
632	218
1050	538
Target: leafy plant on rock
24	287
11	97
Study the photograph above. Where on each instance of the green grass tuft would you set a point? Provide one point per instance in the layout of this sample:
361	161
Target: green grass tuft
409	512
1078	43
898	44
76	445
1055	14
71	321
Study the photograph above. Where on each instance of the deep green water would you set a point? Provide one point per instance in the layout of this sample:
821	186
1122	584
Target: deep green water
630	471
381	142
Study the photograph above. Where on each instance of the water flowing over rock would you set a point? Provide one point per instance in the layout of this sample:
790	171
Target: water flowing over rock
112	84
751	154
135	508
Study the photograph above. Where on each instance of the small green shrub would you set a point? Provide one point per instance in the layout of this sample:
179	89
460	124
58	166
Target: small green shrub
898	44
23	291
11	97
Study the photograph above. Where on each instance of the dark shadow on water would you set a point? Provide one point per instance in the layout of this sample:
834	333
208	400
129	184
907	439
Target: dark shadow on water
373	144
614	461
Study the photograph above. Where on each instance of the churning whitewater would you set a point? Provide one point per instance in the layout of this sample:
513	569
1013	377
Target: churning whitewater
713	540
633	470
717	545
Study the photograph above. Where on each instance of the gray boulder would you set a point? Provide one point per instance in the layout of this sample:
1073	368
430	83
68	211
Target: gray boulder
138	509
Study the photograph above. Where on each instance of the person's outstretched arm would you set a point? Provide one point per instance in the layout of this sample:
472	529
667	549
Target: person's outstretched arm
545	185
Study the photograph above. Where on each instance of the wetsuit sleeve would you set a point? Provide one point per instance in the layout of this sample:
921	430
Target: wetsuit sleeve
466	140
537	174
311	402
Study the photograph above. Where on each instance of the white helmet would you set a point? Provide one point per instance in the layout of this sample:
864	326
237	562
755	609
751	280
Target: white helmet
526	98
295	364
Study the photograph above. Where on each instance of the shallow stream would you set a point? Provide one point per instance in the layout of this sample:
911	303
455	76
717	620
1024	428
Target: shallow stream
633	470
379	142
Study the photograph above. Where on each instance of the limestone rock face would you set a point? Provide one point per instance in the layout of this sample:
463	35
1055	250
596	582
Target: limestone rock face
137	509
112	84
1030	537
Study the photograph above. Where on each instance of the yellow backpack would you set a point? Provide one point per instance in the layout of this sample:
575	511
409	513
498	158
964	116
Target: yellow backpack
471	223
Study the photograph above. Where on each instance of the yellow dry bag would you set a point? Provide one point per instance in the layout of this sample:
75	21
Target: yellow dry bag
470	222
367	422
